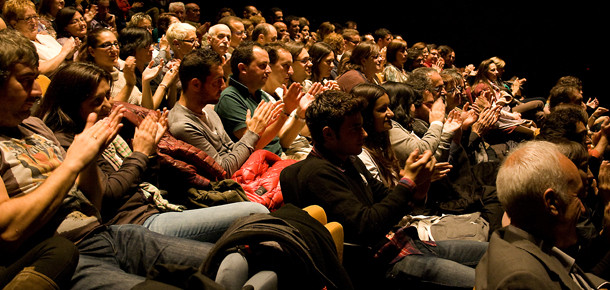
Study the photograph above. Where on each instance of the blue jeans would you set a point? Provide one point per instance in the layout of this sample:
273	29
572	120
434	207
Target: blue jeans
451	263
121	256
203	224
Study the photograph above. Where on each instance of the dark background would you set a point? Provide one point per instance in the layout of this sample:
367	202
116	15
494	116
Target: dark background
540	41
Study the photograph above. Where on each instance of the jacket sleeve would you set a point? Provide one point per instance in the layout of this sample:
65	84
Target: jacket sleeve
118	183
364	220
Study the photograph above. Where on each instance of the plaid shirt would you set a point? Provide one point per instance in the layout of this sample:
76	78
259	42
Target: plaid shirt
400	244
119	150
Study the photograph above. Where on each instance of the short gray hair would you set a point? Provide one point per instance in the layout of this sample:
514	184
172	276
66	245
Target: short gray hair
528	171
173	5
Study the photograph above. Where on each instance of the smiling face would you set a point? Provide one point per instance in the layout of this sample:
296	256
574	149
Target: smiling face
382	114
106	53
99	102
77	26
27	24
372	64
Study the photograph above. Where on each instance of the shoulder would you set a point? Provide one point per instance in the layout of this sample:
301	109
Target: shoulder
508	266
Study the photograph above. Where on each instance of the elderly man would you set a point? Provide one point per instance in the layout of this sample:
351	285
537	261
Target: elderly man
238	31
541	190
179	9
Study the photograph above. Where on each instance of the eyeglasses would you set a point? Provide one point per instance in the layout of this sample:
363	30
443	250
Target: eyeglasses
108	45
454	89
438	89
239	33
304	60
29	18
191	41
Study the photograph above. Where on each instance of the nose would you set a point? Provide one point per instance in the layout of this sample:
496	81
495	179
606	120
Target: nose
390	113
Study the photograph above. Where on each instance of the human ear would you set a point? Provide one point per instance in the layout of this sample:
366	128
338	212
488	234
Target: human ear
552	201
329	135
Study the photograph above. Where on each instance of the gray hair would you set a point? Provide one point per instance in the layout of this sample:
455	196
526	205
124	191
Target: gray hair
178	31
528	171
174	5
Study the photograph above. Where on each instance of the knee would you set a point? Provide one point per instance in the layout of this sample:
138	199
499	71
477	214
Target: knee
62	252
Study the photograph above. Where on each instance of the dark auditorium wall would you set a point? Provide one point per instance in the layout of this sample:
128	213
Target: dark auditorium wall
540	41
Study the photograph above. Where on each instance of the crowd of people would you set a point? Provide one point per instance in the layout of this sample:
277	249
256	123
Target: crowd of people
439	175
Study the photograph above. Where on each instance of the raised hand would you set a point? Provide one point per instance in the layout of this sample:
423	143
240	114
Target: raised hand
144	138
468	116
419	167
129	71
93	139
437	111
440	170
453	121
151	71
306	98
292	97
487	118
265	114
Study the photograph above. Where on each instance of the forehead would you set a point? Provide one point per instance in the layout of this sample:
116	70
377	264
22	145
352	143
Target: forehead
222	30
436	79
260	54
106	36
285	56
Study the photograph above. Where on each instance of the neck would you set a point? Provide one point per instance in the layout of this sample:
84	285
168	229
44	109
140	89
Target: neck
186	101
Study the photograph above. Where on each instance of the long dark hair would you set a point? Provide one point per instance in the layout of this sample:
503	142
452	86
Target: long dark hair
63	19
71	85
402	96
377	144
132	39
318	51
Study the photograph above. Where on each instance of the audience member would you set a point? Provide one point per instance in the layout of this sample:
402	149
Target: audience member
282	31
47	11
21	16
192	14
541	190
364	63
264	33
102	48
238	31
70	23
396	56
250	67
334	178
103	18
63	195
193	121
323	61
178	9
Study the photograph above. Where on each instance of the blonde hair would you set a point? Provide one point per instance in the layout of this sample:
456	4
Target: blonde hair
13	9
